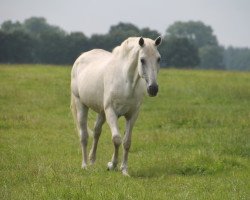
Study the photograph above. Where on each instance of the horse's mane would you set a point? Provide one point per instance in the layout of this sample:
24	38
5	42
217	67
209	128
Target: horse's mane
126	46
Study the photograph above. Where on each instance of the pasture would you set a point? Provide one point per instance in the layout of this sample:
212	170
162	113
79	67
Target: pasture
192	141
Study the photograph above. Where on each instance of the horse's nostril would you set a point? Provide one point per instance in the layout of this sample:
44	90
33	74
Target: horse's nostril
153	90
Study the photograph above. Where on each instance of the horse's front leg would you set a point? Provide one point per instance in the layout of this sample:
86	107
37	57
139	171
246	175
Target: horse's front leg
130	121
112	121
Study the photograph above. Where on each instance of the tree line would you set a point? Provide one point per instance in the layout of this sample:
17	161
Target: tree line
186	44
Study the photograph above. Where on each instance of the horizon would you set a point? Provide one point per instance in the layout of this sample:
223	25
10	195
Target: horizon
227	18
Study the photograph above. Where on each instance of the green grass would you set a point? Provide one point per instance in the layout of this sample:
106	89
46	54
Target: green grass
192	141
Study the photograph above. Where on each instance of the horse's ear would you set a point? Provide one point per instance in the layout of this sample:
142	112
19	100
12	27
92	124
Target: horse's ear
141	42
158	41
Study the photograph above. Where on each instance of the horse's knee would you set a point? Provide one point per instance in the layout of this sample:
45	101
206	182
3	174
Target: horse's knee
126	144
117	140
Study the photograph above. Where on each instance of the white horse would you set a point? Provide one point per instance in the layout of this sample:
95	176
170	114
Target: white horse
113	85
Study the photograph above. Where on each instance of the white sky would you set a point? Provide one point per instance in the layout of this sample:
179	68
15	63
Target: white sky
230	19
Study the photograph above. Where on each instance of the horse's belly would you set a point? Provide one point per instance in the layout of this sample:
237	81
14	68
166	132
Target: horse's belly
92	101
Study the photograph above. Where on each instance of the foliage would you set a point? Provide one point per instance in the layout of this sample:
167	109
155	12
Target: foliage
201	35
35	41
16	47
118	33
237	58
50	44
75	44
197	32
38	25
211	57
190	142
179	52
187	44
9	26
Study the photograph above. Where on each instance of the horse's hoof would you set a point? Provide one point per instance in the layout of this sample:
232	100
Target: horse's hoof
125	173
84	166
110	166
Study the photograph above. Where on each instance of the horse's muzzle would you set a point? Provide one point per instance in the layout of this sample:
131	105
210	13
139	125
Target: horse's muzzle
152	90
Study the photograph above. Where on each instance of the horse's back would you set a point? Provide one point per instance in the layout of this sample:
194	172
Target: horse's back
89	57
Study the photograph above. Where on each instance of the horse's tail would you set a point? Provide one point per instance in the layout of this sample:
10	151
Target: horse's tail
74	113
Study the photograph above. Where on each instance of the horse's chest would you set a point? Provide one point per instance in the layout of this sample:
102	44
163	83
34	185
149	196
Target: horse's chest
125	99
124	102
123	106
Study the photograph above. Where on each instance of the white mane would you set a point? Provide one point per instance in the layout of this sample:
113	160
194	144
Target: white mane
131	45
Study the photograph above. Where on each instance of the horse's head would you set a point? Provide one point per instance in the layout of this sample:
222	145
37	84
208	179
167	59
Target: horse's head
149	63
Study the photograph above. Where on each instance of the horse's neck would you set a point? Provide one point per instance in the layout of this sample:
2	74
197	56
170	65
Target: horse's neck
130	71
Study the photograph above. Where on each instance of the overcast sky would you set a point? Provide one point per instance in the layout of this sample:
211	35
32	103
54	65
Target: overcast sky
230	19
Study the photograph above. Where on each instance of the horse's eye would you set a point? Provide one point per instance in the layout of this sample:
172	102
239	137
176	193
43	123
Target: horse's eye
143	61
158	60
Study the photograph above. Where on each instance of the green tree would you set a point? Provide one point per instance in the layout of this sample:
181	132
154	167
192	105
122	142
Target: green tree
75	44
179	52
201	35
39	25
146	32
9	27
16	47
127	28
52	48
211	57
196	31
237	58
101	41
32	41
118	33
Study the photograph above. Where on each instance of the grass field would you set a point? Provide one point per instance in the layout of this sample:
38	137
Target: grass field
192	141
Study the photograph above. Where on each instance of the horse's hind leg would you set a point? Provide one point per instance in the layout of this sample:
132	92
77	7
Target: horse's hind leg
82	115
97	132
